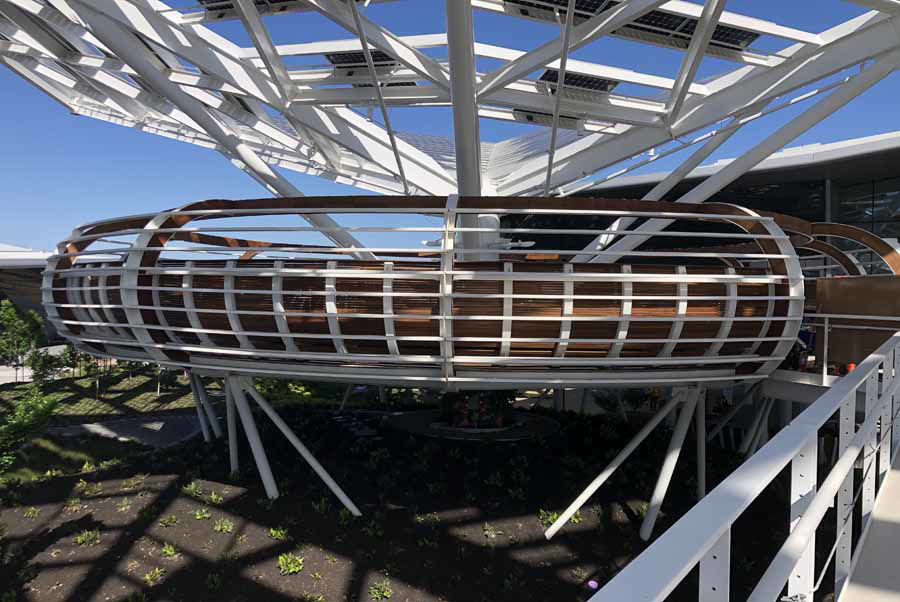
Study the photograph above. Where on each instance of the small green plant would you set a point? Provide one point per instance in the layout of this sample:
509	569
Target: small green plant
215	498
490	531
576	518
344	517
124	505
134	482
308	597
88	466
381	590
154	576
223	525
373	529
31	512
88	537
202	514
88	489
168	521
214	582
169	550
321	506
317	576
579	573
289	564
430	519
73	504
135	597
193	490
547	518
279	533
330	559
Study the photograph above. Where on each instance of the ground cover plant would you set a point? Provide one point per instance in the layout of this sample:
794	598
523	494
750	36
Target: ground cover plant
442	520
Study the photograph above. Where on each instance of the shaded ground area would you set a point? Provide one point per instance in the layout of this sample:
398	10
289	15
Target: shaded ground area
121	395
451	521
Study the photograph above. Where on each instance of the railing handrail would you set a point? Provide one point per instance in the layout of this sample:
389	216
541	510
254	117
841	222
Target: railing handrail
664	564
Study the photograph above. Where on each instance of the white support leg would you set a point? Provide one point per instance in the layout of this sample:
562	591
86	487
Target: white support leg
198	405
803	489
842	554
750	435
210	412
715	571
298	445
612	467
700	427
231	422
668	467
256	446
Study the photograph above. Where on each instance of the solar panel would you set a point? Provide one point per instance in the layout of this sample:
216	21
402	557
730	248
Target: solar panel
581	6
357	58
579	81
225	5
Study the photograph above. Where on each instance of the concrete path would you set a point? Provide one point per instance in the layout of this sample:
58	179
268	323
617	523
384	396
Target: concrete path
154	431
876	577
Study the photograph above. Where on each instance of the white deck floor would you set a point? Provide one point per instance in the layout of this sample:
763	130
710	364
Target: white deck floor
876	577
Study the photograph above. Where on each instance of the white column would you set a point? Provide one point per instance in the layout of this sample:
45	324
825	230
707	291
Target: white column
668	467
256	446
231	422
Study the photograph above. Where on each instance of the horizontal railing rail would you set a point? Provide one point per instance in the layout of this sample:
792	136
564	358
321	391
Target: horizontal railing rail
703	535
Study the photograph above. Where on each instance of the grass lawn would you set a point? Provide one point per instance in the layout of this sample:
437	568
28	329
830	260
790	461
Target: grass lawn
120	396
49	455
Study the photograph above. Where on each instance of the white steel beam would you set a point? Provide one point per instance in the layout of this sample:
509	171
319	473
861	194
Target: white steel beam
845	46
376	86
599	25
129	49
709	17
735	169
460	47
386	41
560	90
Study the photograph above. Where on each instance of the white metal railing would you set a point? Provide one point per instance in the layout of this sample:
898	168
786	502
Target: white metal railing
703	535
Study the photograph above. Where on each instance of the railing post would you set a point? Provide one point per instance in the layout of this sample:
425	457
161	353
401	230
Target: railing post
884	438
843	551
868	484
715	571
895	401
803	490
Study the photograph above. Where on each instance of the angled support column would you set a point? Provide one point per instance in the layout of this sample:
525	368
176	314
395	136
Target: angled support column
298	445
231	422
613	466
204	427
256	446
200	391
700	427
671	459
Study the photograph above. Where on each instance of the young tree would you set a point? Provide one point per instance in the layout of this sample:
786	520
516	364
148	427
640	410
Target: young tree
19	334
44	367
70	359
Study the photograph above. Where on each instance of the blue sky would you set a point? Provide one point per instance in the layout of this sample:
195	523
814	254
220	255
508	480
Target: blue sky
58	170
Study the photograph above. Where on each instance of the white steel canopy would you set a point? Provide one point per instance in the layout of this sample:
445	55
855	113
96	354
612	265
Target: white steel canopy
325	108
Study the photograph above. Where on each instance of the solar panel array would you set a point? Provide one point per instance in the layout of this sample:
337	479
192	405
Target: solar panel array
357	57
675	27
578	81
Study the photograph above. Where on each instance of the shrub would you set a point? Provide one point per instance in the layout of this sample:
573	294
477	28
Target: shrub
44	367
381	590
223	525
289	564
154	576
28	418
279	533
169	550
214	582
202	514
88	537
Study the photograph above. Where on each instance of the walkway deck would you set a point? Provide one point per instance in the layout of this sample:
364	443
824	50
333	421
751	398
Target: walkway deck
876	577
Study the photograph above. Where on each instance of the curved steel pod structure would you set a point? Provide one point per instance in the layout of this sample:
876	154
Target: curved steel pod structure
477	307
